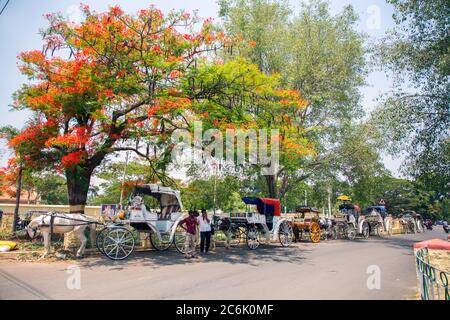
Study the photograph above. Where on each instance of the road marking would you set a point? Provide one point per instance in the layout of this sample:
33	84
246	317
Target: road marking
37	293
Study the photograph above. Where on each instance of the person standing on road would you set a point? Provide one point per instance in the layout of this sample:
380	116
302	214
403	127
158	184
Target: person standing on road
191	230
205	232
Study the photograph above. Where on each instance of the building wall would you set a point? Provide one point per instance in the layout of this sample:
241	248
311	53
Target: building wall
8	208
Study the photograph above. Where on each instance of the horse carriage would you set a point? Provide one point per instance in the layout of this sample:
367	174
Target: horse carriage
262	224
419	222
305	223
350	223
411	222
380	222
161	225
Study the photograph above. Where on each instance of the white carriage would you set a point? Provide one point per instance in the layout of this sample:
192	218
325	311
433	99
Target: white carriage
117	239
264	223
380	222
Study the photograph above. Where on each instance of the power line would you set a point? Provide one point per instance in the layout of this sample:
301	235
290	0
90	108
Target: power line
7	1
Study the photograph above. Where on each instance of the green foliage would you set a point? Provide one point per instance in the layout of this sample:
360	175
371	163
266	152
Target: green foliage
415	116
401	195
200	194
110	176
317	53
263	26
52	188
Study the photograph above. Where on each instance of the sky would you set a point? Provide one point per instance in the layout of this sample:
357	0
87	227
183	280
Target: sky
22	19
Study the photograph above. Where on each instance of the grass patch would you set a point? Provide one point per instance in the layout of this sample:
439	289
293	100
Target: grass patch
31	246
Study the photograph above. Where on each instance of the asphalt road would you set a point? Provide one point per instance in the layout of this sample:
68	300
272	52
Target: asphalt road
328	270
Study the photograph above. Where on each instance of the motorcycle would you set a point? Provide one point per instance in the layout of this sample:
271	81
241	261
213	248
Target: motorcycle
429	224
445	227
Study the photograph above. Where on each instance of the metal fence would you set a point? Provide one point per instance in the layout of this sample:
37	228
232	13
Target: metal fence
433	281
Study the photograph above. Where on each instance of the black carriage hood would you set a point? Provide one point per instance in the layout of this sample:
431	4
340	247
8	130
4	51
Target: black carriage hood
165	195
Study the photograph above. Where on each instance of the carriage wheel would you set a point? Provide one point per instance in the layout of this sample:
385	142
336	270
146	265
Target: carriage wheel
233	236
314	232
179	239
285	234
377	230
160	244
365	230
99	239
118	243
252	238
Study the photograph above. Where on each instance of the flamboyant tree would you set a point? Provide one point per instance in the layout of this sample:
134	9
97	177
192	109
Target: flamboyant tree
109	80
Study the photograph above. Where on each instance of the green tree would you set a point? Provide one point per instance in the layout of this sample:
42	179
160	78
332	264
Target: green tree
415	116
262	24
115	178
360	164
200	193
51	188
319	54
402	194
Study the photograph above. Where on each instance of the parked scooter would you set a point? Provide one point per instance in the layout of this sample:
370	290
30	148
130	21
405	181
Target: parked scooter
429	224
445	226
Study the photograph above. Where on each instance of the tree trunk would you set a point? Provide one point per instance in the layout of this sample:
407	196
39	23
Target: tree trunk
78	182
77	187
271	181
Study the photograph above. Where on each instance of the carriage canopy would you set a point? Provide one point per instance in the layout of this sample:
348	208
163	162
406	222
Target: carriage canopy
380	209
344	198
266	206
167	197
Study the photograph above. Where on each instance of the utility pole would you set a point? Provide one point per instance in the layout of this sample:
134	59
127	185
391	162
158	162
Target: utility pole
123	179
18	192
306	197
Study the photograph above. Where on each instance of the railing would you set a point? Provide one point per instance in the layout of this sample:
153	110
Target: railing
433	281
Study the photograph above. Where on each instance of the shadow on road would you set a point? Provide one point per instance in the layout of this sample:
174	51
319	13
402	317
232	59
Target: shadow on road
238	255
405	241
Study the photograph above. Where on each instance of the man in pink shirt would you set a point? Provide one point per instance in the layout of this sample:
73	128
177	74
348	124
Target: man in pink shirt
191	230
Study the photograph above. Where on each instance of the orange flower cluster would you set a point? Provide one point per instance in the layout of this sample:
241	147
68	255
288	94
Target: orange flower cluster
73	159
77	138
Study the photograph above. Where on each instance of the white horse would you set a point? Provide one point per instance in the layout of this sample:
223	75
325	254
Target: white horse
60	223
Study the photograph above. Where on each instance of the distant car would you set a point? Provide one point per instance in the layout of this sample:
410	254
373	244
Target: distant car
439	222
